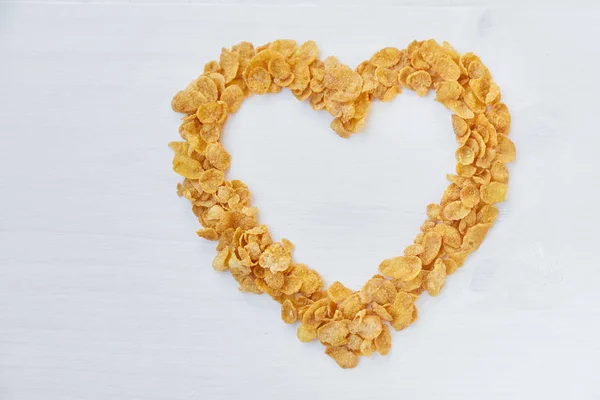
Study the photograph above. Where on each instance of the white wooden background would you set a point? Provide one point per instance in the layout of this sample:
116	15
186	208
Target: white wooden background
107	293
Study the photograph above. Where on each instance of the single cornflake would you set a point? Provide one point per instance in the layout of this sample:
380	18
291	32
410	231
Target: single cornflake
469	195
211	179
474	236
383	342
218	156
448	91
338	292
208	88
232	96
212	112
334	333
306	333
506	149
368	327
354	342
494	192
310	317
187	101
289	313
402	310
381	312
258	80
230	62
432	242
367	347
402	267
187	166
436	278
386	57
451	266
410	286
378	290
414	250
455	210
420	82
275	258
499	116
208	234
386	76
221	260
465	155
285	47
459	108
342	356
351	306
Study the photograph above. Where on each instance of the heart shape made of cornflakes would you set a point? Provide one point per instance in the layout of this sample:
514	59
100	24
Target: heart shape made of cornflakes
349	323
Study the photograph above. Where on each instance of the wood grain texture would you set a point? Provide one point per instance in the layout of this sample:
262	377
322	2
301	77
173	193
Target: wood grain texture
107	293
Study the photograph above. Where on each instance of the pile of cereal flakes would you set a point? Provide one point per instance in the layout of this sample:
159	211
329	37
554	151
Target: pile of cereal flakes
348	323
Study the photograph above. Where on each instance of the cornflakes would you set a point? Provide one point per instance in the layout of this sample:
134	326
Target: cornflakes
348	323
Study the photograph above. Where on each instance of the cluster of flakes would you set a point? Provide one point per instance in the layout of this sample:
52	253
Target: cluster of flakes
348	323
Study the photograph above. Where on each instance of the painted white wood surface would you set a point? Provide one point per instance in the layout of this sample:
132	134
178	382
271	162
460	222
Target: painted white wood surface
107	293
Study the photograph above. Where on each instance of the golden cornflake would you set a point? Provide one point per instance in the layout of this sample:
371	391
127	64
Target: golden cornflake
506	149
432	242
469	195
494	192
368	327
465	155
187	166
288	312
212	112
218	156
351	306
455	211
187	101
367	347
420	82
436	278
475	236
275	258
459	108
381	312
342	356
386	77
338	292
383	342
208	234
220	261
499	172
230	62
306	334
378	290
414	250
258	80
208	88
334	333
404	268
448	91
211	179
386	57
232	96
